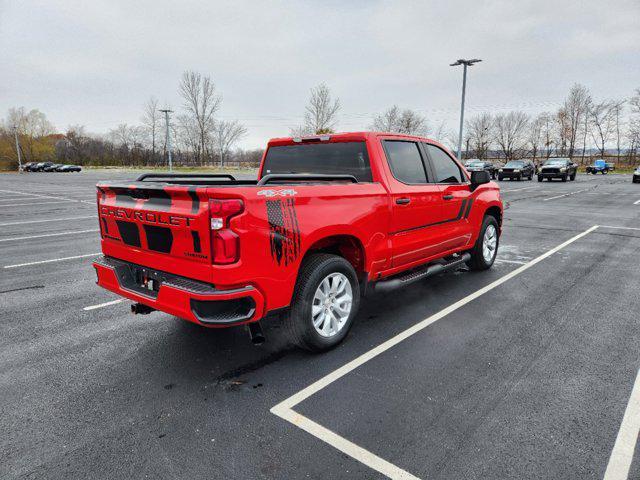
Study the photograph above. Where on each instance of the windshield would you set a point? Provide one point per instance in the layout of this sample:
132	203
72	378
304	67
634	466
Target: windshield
556	161
514	165
346	158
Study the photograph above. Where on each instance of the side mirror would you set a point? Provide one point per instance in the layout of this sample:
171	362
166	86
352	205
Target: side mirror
479	178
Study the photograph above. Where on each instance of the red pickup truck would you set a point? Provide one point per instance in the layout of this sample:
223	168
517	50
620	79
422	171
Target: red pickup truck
331	218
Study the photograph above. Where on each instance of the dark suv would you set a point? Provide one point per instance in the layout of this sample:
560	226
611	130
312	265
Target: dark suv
476	165
517	169
562	168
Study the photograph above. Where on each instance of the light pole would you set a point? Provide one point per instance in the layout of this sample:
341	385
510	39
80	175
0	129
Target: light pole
465	64
168	137
15	132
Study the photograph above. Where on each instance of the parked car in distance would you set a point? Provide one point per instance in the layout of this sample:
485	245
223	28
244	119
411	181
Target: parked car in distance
27	166
517	169
329	219
480	165
636	175
69	168
599	166
51	168
562	168
39	167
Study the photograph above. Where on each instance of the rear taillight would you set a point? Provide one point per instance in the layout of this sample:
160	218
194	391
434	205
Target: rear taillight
225	243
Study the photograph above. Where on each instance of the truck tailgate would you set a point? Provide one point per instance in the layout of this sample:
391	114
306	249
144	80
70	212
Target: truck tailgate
160	226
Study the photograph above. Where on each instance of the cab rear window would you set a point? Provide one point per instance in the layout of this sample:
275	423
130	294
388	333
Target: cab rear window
345	158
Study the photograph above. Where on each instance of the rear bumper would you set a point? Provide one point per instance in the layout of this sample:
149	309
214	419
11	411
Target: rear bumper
191	300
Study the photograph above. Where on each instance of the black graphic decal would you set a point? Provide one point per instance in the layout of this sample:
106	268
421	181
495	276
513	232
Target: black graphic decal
284	234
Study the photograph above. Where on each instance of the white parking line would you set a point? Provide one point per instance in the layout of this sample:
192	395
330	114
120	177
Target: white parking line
48	196
565	195
52	260
622	454
620	228
34	203
637	202
285	410
101	305
6	224
517	189
11	239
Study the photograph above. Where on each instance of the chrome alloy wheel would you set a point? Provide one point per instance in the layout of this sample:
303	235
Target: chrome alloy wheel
489	243
331	304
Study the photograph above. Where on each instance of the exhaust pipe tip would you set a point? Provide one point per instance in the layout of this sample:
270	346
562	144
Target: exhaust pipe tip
255	333
141	309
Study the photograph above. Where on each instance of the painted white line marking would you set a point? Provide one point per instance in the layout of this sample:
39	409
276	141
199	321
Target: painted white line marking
620	228
517	189
565	195
34	203
285	410
53	260
6	224
622	454
637	202
48	196
11	239
101	305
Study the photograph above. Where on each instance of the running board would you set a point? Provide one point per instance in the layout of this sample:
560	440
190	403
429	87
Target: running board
416	275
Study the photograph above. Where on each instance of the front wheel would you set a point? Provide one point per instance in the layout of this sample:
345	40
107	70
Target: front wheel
325	302
539	178
564	178
485	249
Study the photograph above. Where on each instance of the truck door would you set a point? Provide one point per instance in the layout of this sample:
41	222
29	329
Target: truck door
457	200
415	202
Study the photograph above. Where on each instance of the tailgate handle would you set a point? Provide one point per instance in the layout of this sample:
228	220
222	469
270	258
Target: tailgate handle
403	201
448	197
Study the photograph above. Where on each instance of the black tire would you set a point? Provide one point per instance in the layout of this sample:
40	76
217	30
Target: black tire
500	178
477	261
540	178
519	178
564	178
573	177
298	319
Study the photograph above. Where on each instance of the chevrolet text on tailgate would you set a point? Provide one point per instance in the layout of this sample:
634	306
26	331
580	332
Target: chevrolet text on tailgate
331	219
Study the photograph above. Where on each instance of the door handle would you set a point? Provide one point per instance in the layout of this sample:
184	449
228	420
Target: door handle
448	197
403	201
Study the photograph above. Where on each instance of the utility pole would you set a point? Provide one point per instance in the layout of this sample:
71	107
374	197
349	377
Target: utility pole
15	132
168	137
465	63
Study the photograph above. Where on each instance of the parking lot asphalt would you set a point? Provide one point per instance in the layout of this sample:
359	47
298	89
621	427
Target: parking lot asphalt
523	371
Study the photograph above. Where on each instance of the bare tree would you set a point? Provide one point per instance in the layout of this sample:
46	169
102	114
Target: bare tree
602	120
151	119
227	134
535	135
618	107
322	111
201	101
509	133
573	109
407	122
479	128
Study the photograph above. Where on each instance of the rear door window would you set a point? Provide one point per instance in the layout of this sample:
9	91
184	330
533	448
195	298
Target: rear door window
405	161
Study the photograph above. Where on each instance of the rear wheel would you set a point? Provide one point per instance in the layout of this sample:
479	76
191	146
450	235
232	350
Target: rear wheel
325	302
573	177
485	249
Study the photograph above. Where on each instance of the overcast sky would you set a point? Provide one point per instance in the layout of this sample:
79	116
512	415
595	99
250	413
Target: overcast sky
96	62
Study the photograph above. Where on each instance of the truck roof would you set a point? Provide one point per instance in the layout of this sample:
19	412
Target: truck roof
344	137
